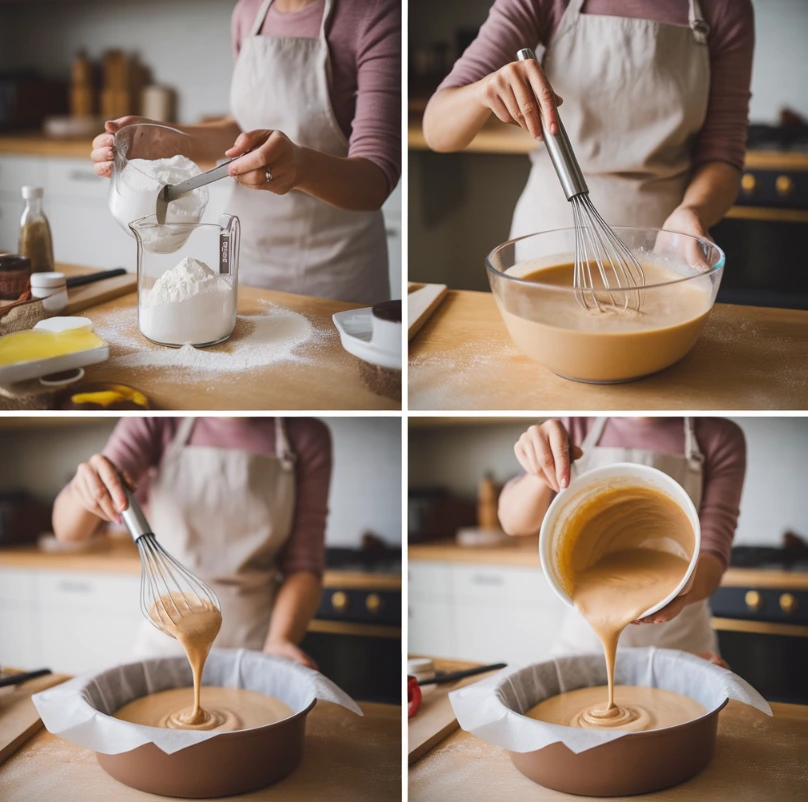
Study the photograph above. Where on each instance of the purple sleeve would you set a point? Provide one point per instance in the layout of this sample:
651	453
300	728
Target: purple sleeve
732	45
511	25
724	470
137	444
376	127
305	549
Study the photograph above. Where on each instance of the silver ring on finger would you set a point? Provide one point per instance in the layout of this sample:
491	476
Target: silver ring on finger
268	175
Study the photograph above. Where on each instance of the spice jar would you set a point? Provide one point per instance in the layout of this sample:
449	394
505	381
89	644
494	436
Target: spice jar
35	234
15	271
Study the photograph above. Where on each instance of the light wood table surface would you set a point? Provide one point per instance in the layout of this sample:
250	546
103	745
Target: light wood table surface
326	377
747	358
346	759
757	758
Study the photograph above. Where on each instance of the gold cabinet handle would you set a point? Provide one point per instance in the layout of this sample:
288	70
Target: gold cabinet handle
754	601
339	601
748	183
374	603
784	186
788	603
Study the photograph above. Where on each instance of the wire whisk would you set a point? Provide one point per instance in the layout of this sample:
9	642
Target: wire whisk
168	590
607	275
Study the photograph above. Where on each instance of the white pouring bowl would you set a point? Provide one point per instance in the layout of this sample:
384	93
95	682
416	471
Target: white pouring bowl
628	474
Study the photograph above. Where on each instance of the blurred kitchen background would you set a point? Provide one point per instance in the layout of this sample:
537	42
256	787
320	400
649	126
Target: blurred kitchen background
476	594
460	205
66	66
75	612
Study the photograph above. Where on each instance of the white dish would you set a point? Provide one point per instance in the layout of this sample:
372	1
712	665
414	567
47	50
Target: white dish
355	329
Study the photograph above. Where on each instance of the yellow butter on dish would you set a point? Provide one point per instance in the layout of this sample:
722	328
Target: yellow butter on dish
29	346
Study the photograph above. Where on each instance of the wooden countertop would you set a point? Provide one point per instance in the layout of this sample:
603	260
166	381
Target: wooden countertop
756	758
498	138
523	552
119	556
325	377
346	758
747	358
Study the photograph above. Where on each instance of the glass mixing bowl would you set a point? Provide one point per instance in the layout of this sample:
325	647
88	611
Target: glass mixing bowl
132	192
682	276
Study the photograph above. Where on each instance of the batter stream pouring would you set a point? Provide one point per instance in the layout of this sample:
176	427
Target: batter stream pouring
622	548
179	604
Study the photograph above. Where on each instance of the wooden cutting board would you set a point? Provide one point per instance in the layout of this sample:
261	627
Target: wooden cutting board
81	298
19	719
422	301
435	718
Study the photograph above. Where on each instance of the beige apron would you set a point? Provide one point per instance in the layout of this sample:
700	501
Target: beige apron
225	514
636	96
294	242
690	630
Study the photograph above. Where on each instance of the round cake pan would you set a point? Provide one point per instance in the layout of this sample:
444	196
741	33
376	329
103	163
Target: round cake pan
638	763
232	763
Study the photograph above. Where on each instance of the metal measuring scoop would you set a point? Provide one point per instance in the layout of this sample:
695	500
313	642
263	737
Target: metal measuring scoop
171	192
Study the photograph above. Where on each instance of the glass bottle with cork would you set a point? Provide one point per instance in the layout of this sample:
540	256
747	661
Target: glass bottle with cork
35	235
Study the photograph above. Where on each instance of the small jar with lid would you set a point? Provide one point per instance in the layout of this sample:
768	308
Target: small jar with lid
51	288
15	271
35	235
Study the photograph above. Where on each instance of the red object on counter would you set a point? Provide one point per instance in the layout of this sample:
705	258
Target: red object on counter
413	696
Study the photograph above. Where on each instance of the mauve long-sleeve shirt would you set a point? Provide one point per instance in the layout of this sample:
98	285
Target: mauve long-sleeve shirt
138	445
724	448
364	44
514	24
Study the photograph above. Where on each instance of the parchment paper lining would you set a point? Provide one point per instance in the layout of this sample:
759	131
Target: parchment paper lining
80	710
491	709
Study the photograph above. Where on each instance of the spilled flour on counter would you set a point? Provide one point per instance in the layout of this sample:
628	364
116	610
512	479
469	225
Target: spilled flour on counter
276	336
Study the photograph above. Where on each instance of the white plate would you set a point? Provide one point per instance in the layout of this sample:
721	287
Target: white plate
33	369
355	329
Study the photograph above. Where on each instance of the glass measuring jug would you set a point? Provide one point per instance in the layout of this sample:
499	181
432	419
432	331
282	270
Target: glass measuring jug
145	157
187	295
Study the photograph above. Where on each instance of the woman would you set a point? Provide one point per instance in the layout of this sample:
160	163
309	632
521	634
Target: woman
241	502
656	104
316	97
707	456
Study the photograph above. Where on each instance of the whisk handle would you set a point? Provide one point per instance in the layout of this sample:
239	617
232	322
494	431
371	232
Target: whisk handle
558	146
134	518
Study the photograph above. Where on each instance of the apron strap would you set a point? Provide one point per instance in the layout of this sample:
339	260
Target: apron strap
181	438
568	20
593	435
283	449
697	23
329	5
692	450
260	17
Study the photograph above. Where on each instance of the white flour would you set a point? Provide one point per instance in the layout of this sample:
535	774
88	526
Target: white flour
189	304
134	195
258	341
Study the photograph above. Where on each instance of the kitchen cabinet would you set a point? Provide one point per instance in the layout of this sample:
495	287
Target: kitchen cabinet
481	612
71	621
20	642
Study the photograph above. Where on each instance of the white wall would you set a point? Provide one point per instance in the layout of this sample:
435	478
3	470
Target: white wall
773	501
365	490
185	43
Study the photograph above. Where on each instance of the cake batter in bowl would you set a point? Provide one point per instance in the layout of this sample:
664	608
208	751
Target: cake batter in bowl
532	281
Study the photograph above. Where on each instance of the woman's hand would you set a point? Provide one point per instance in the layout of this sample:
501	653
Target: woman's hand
102	144
99	488
520	94
687	220
274	162
544	452
287	649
